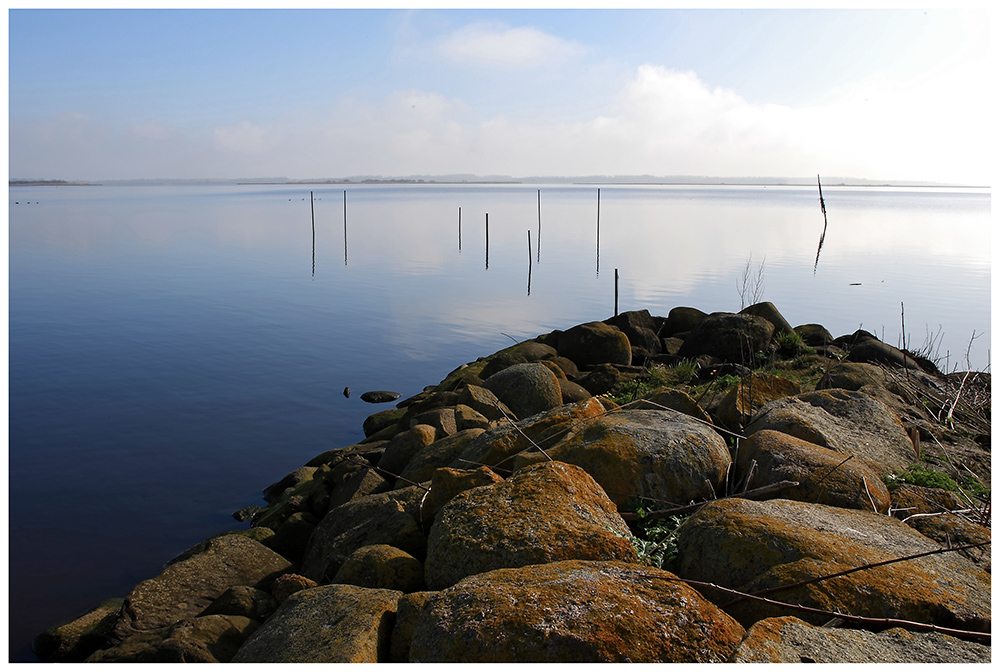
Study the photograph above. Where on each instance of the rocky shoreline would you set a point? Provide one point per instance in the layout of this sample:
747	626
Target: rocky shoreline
689	488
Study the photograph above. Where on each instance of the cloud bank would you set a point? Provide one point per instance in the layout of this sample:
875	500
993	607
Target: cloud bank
661	122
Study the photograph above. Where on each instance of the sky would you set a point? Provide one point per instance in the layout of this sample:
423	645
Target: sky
220	94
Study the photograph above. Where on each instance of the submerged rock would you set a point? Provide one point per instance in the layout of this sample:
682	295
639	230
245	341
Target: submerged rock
379	396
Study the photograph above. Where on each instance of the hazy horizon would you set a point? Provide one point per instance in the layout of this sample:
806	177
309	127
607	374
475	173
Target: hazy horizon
879	95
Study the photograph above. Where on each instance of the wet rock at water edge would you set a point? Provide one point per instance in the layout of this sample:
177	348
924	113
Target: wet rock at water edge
379	396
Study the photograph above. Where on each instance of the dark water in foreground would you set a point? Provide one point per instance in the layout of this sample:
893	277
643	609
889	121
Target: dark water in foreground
173	350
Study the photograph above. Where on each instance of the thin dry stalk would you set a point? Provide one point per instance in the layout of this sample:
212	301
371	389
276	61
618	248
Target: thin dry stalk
756	493
521	432
871	565
864	481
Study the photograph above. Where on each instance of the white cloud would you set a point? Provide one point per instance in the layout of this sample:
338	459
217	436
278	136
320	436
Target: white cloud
662	122
497	44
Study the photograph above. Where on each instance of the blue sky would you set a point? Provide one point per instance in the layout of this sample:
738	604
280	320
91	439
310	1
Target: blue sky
117	94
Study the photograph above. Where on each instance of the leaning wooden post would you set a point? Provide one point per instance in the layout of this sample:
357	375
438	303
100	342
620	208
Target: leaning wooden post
616	292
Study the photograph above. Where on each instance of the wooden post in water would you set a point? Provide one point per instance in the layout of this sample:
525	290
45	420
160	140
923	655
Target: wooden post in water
598	232
529	262
539	226
616	292
312	207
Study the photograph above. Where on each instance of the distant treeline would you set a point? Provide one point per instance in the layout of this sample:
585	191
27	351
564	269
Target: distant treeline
44	183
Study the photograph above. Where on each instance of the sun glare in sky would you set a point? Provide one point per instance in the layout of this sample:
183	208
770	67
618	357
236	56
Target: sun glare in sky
129	94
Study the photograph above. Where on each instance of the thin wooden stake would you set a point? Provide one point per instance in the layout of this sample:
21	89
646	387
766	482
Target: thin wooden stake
459	228
616	292
345	227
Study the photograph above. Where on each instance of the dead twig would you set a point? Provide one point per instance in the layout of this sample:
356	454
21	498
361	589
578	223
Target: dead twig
684	510
874	623
806	582
521	432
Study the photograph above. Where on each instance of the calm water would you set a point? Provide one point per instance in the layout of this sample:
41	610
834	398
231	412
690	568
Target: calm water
173	350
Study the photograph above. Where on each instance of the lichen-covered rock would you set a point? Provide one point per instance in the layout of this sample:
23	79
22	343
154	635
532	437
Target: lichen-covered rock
749	395
848	422
185	588
526	389
74	641
387	518
447	482
874	350
661	455
253	603
543	513
205	639
326	624
823	475
401	449
382	566
407	613
572	612
678	400
751	546
441	453
441	419
467	417
790	640
287	585
731	338
483	401
497	446
376	422
595	343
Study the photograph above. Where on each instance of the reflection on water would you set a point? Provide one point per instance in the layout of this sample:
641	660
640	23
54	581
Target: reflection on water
170	355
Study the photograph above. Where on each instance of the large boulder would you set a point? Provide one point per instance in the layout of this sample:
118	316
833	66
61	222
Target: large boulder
769	312
572	612
205	639
77	639
790	640
823	475
663	455
497	446
731	338
752	546
527	389
595	343
543	513
438	454
669	398
848	422
681	320
641	329
484	402
326	624
247	601
386	518
447	482
404	446
744	399
183	589
382	566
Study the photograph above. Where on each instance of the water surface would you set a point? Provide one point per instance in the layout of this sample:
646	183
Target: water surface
173	350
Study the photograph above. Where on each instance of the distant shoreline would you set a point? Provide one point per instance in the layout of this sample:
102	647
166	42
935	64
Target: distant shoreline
525	182
49	183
